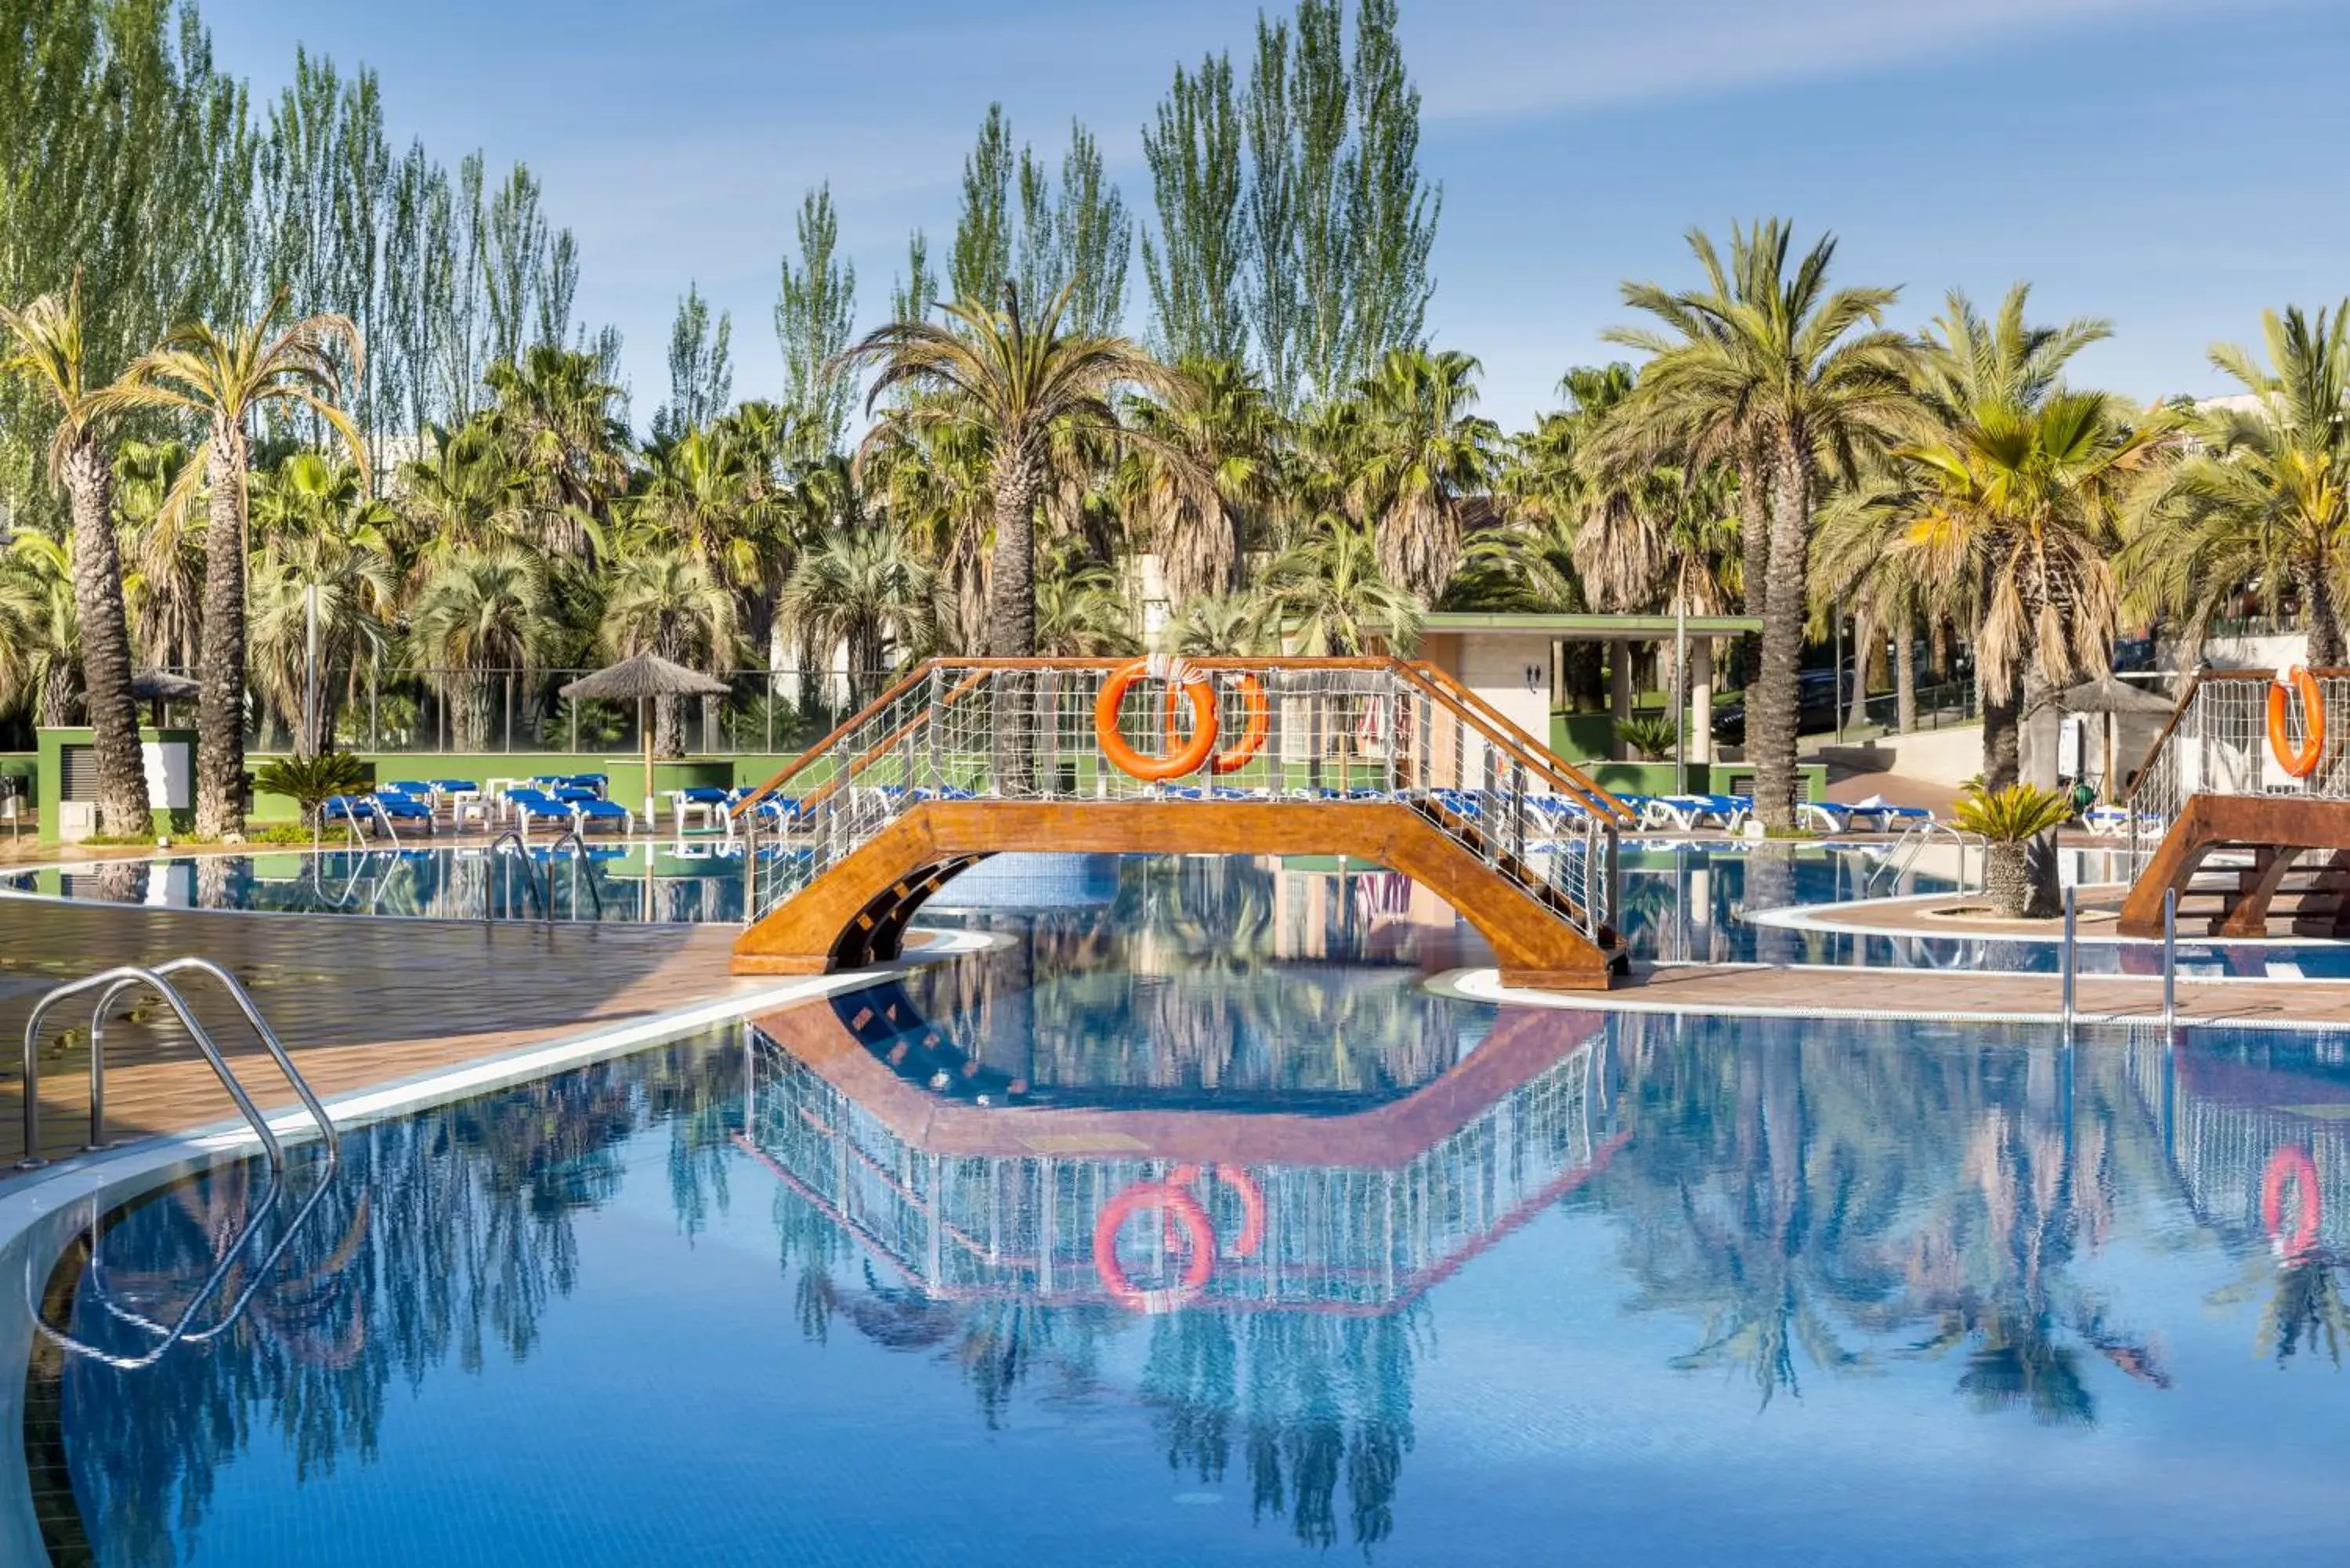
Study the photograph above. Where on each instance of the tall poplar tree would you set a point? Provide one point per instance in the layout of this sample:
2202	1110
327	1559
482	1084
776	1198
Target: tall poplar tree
1193	271
700	367
815	310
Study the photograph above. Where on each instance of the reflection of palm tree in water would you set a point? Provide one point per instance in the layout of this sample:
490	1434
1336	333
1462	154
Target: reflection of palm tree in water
1770	1194
444	1236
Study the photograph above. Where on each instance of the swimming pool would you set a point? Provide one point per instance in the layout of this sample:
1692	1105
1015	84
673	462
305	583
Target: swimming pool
1434	1282
1681	901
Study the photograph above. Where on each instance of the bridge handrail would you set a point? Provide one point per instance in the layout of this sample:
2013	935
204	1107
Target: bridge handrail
1513	740
1500	807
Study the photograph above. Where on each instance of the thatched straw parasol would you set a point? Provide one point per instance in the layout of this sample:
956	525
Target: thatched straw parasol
2110	698
161	686
640	679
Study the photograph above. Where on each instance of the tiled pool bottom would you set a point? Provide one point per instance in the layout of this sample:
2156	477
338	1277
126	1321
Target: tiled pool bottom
1667	1291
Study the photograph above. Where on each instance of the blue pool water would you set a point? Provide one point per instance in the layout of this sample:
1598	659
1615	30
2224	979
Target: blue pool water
1276	1259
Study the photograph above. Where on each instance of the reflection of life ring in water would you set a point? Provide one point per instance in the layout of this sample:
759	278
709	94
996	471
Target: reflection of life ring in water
1252	1198
2290	1163
1182	1211
1194	685
2299	761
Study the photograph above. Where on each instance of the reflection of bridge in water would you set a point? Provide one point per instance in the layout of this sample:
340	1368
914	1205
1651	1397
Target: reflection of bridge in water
2259	1144
1353	1214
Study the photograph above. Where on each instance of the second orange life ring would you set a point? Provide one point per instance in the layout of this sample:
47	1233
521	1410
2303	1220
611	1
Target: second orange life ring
2291	1164
2299	761
1193	683
1259	723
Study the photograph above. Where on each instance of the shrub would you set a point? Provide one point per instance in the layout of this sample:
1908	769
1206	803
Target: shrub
1650	737
2019	867
311	782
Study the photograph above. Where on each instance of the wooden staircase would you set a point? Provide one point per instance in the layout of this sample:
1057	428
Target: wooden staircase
2248	865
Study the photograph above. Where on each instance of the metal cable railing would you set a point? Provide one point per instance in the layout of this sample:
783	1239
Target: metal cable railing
2217	742
1340	731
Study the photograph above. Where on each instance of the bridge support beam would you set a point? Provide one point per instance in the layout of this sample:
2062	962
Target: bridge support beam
2282	825
856	913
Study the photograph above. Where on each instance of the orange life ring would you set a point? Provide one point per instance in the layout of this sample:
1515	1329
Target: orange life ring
1182	1209
2290	1163
1194	683
2302	761
1252	1198
1237	755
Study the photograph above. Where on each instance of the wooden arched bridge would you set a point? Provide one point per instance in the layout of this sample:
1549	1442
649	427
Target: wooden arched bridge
1377	759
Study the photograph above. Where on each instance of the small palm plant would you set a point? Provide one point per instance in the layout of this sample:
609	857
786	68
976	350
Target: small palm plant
311	782
1650	737
2019	872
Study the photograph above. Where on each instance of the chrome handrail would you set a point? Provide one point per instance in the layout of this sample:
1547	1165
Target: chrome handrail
116	982
529	875
571	836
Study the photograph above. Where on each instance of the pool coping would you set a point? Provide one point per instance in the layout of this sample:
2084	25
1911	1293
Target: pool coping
1809	918
1485	985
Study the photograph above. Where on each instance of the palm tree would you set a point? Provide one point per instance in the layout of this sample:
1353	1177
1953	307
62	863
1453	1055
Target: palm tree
40	632
480	612
1196	511
164	589
226	377
1786	379
463	491
2027	503
1080	614
2261	496
1220	625
1424	454
1328	597
324	569
48	353
668	602
553	416
858	589
1024	390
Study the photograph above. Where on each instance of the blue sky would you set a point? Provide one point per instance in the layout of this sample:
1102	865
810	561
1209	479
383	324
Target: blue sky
2174	166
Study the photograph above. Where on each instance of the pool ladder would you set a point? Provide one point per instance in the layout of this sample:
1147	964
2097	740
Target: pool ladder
543	895
111	984
1904	854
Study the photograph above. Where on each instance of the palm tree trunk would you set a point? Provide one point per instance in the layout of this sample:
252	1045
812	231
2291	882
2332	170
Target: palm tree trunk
1754	537
2003	731
219	705
2320	617
1012	611
122	804
1904	673
1864	655
1012	590
1772	708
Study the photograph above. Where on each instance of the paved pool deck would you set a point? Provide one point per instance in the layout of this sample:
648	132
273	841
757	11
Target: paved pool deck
358	1002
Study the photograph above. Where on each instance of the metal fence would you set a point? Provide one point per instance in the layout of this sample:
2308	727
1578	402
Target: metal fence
440	710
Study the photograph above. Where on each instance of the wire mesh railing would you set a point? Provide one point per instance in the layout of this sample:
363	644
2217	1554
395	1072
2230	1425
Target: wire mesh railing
1340	731
2219	742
